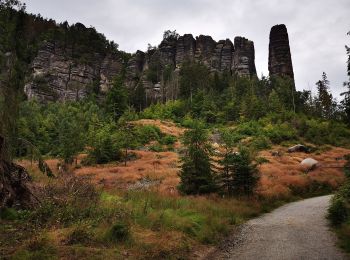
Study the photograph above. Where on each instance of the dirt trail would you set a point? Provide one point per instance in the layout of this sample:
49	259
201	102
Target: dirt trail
298	230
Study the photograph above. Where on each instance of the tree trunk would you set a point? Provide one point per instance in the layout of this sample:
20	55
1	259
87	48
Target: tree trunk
14	180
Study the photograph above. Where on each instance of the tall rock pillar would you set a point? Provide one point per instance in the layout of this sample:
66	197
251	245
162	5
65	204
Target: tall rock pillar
280	60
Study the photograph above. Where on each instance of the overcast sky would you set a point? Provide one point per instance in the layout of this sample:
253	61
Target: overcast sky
317	28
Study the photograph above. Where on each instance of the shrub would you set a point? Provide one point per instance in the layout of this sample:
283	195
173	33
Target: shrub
168	140
147	133
79	235
105	146
156	148
8	214
337	212
261	143
119	232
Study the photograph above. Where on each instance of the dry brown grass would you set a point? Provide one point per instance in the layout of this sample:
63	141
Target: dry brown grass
284	174
280	177
162	166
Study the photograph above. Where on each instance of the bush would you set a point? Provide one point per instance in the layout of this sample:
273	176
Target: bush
156	148
105	146
119	232
261	143
147	133
168	140
79	235
337	212
8	214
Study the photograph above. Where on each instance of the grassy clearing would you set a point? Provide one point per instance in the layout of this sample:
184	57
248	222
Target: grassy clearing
78	221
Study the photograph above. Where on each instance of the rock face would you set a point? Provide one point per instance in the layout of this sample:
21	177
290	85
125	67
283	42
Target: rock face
280	60
244	57
55	76
58	77
185	48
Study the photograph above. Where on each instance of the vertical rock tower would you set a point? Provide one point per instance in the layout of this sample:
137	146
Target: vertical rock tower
280	60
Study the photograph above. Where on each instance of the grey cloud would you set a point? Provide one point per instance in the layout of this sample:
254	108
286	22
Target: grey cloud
317	28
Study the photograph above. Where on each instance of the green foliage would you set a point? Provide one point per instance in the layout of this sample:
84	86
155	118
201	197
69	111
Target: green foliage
70	135
339	210
347	166
120	232
79	235
170	110
105	146
196	172
324	103
239	175
8	214
170	35
168	140
194	77
117	99
40	247
145	134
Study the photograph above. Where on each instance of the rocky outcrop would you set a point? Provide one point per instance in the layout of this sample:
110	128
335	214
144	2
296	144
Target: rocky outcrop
280	60
135	65
244	57
146	68
56	76
205	46
185	48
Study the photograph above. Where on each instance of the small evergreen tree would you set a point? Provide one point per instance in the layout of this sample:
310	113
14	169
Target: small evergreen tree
275	105
117	99
239	175
345	103
324	101
71	136
196	172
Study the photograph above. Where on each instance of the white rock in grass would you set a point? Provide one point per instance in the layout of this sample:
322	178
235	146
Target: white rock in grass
309	163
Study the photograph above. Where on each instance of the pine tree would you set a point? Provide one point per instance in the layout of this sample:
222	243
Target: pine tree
275	104
345	103
197	170
239	175
324	101
117	99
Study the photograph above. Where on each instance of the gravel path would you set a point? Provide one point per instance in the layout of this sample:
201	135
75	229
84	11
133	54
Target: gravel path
295	231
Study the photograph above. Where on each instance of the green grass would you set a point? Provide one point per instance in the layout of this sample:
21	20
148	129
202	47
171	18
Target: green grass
343	233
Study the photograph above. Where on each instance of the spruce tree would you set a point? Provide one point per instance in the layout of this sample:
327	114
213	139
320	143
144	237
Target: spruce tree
238	175
197	170
324	101
345	103
117	99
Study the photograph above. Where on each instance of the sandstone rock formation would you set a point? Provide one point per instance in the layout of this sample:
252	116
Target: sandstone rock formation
244	57
280	61
185	48
56	76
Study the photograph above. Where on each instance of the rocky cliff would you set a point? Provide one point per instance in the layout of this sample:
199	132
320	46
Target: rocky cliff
280	60
57	76
234	58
